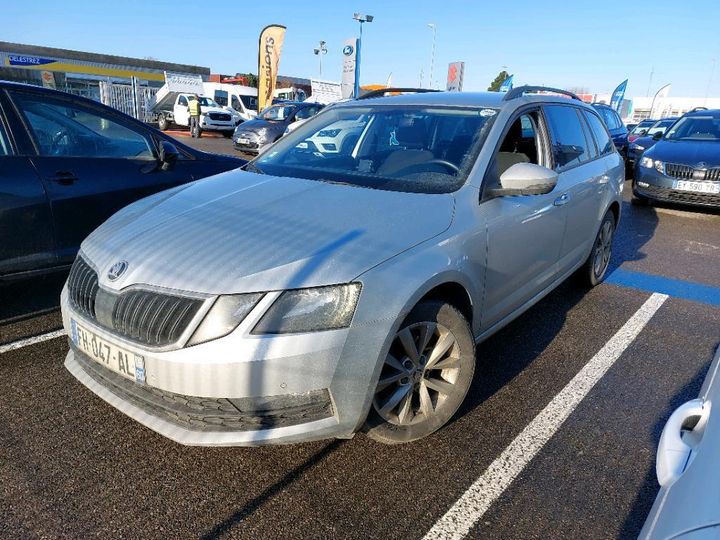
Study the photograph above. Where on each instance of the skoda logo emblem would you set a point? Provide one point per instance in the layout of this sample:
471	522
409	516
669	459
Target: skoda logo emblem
701	165
348	50
117	270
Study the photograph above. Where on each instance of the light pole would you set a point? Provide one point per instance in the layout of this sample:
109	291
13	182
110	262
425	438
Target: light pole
319	51
432	54
361	18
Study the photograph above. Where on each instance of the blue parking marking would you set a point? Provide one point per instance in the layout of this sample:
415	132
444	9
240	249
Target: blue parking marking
678	288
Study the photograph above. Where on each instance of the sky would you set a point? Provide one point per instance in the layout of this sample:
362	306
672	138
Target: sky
592	45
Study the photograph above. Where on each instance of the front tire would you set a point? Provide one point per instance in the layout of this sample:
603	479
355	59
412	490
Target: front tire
426	375
595	268
163	123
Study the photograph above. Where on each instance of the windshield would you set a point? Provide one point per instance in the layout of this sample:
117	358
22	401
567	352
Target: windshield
660	127
642	126
277	112
695	128
208	102
400	148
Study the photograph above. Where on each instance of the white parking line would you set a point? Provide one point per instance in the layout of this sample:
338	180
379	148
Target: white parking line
30	341
467	511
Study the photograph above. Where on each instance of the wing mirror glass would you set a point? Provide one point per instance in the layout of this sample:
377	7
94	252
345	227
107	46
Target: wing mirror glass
169	155
657	135
525	179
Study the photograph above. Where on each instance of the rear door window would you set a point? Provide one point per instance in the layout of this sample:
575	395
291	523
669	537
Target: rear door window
599	131
570	147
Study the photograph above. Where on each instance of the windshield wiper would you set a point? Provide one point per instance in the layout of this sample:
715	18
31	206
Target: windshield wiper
251	167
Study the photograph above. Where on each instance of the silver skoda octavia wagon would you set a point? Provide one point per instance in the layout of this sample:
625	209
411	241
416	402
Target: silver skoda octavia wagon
341	282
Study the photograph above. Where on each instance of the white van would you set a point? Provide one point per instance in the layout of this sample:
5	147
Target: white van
241	99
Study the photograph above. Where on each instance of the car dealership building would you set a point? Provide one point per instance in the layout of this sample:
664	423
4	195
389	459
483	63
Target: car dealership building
80	72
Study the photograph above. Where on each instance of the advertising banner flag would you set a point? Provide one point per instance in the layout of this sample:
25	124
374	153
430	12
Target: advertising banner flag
456	72
657	101
618	95
348	71
507	84
269	50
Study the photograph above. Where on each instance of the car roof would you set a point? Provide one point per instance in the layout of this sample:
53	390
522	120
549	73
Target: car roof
705	112
461	99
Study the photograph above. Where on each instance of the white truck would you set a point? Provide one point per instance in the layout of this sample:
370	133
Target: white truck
234	97
171	106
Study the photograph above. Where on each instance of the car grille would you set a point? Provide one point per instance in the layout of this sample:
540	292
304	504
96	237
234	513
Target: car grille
83	287
145	317
152	318
213	414
220	116
686	172
684	197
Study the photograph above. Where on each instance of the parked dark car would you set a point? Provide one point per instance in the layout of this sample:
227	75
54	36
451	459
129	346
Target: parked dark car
640	129
684	164
653	134
617	129
67	164
256	135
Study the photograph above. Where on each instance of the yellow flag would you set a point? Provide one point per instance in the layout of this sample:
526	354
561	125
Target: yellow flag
271	42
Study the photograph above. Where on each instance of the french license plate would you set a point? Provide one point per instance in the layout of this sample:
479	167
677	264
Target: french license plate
122	362
700	187
243	140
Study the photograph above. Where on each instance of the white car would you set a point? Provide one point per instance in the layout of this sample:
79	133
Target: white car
212	118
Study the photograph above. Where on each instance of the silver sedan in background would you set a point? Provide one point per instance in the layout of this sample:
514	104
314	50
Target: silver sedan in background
319	293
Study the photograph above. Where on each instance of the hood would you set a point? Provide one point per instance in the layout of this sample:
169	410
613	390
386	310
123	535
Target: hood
206	109
257	125
244	232
686	152
645	142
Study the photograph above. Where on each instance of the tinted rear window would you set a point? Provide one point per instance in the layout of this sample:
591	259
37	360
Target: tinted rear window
569	145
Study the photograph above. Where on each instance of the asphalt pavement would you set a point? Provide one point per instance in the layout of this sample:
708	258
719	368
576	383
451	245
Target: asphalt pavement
72	466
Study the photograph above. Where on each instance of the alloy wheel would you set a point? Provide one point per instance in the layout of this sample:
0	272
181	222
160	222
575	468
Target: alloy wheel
419	374
603	248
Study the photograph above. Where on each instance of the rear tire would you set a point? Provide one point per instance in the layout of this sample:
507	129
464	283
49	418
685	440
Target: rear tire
595	268
425	377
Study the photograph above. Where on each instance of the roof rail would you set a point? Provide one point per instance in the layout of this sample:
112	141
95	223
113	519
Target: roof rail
522	90
699	109
382	91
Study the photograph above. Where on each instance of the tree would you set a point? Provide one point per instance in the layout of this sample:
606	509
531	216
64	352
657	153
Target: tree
250	79
497	82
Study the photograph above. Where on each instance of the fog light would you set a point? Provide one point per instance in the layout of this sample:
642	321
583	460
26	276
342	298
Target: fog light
643	184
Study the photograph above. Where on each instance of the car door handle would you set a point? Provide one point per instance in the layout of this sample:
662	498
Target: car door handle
64	178
562	199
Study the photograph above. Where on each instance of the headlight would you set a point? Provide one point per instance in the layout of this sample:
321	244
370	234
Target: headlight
647	162
310	310
634	146
224	316
329	132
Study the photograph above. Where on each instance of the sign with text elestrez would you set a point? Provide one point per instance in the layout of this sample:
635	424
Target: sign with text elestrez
349	68
269	50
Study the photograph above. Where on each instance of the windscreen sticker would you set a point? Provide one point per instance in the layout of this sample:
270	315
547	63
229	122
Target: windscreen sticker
393	139
488	112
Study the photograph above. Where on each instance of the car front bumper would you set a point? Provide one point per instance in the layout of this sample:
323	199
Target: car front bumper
243	389
650	183
209	124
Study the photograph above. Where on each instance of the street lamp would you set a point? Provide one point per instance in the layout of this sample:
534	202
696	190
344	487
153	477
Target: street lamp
432	55
319	51
361	18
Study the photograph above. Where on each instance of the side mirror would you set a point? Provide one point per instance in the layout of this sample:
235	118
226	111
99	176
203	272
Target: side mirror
657	135
169	154
525	179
